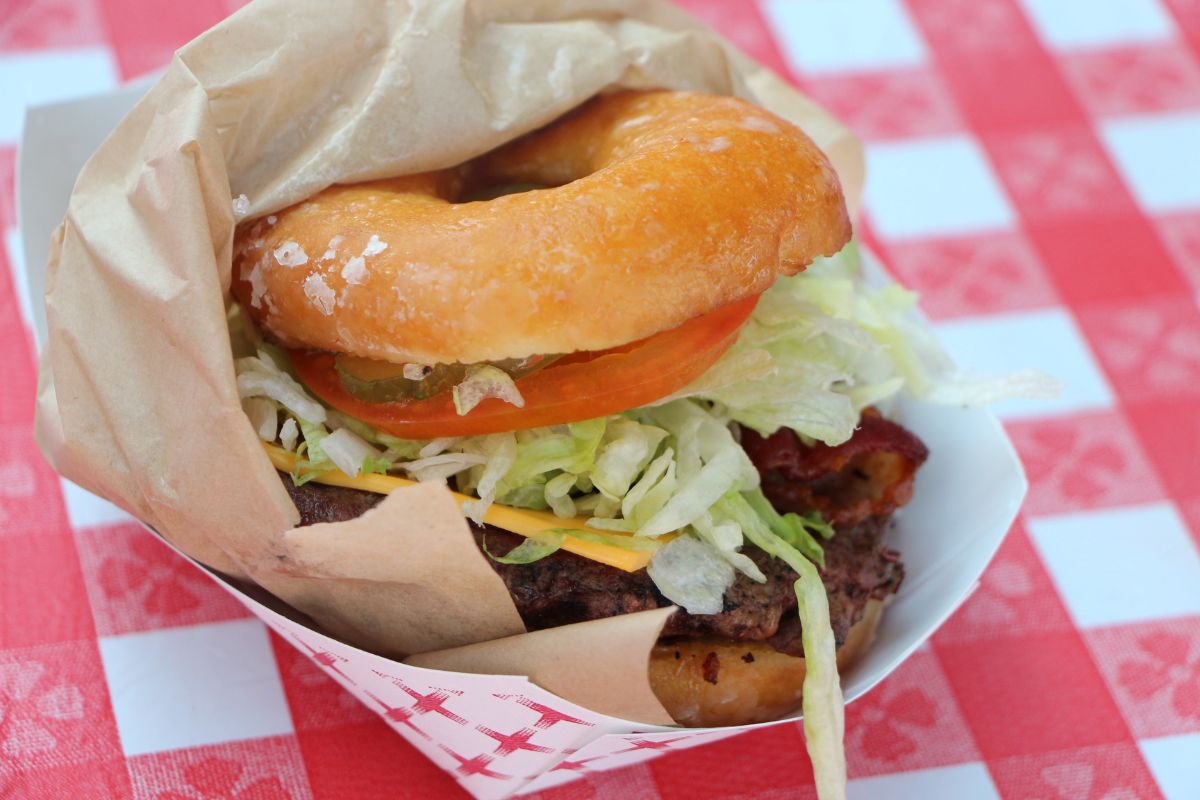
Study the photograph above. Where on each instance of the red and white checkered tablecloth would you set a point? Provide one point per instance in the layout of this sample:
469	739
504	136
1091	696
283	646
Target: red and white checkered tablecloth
1034	172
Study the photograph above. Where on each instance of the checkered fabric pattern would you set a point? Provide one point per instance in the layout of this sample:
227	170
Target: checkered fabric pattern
1035	174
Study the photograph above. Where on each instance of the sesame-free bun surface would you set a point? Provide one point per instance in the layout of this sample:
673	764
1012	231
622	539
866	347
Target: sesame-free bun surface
754	682
663	206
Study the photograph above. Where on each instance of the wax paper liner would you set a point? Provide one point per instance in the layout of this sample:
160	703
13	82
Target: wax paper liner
137	399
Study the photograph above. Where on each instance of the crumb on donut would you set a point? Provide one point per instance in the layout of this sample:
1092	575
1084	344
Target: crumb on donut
318	291
258	286
331	249
717	145
355	271
290	254
241	206
759	124
374	246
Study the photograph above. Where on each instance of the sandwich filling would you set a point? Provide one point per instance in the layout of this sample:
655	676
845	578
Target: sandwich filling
672	478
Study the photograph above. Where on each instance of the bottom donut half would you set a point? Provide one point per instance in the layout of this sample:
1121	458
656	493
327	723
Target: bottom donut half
713	682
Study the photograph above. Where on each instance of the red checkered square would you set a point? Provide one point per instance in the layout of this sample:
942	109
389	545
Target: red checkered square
977	274
54	709
1056	451
100	779
1059	171
985	48
1121	255
1181	233
368	759
1170	432
742	23
315	700
1107	772
144	37
681	776
1015	597
30	501
8	186
888	105
1187	17
18	389
910	721
258	769
1150	349
1015	694
42	24
1133	80
1153	669
136	583
42	565
984	28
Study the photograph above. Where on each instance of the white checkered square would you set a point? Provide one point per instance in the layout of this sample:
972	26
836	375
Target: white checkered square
1175	762
934	187
41	77
1048	340
947	783
1077	24
824	36
1121	565
1159	157
186	687
86	510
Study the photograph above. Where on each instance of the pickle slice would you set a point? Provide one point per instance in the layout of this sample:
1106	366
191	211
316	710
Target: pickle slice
383	382
375	381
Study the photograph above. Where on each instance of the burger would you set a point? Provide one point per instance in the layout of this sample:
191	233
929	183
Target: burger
639	344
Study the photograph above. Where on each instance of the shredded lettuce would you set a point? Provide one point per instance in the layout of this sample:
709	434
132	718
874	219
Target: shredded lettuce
263	414
348	451
691	573
483	382
823	705
535	548
260	376
288	434
823	345
793	528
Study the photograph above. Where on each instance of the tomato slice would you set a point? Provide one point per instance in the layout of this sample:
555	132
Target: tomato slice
577	387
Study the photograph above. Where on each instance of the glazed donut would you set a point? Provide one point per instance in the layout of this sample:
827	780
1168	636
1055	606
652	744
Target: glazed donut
663	206
743	682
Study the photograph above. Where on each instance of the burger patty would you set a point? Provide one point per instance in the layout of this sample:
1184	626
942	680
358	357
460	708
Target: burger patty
858	485
563	588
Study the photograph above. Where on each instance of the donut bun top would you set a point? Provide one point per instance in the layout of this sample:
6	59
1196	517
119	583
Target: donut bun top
663	206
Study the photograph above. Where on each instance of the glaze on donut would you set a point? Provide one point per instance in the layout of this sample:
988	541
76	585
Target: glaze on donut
663	206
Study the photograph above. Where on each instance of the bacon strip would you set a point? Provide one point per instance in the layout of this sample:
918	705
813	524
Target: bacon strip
871	474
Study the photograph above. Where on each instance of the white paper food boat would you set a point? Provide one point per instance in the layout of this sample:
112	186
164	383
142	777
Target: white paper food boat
503	735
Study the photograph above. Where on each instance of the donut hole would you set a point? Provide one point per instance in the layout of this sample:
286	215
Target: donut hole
487	192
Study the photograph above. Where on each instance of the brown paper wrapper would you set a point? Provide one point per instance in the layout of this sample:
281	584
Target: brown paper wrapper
137	399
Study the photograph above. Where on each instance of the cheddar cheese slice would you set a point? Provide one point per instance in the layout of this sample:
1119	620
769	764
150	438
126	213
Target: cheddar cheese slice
522	521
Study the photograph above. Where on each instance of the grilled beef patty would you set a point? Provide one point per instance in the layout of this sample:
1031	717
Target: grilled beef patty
877	464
